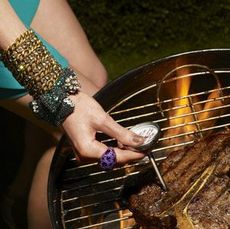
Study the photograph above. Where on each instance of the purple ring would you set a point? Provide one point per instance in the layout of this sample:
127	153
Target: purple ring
108	159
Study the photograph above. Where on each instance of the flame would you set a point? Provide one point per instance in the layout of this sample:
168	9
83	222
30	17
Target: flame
125	223
125	215
179	117
210	111
185	118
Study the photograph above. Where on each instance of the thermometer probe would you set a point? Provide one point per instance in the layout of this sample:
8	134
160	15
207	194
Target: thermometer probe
151	132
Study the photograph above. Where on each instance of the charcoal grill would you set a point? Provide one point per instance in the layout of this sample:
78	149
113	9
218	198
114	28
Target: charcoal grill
83	196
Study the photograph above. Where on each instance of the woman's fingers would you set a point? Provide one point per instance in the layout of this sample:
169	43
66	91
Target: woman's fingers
124	156
95	150
88	118
123	135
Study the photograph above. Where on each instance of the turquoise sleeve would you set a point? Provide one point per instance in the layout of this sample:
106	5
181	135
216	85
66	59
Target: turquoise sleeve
9	87
8	81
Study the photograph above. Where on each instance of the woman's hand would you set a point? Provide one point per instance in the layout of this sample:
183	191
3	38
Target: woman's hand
88	118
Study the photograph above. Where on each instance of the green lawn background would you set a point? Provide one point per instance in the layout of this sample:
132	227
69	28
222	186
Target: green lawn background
129	33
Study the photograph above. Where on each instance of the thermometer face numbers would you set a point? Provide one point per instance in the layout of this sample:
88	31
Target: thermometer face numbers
149	131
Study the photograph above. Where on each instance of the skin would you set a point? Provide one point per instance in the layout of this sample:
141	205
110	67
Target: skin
82	124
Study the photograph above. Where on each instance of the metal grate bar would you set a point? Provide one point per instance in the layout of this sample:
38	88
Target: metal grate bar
92	194
157	84
192	132
100	182
93	215
96	225
187	143
194	95
188	123
93	164
175	108
170	100
95	204
193	122
127	166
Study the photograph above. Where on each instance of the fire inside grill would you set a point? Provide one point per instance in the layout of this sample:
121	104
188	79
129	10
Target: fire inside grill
187	96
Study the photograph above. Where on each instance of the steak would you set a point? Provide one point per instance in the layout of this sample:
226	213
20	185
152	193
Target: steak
198	194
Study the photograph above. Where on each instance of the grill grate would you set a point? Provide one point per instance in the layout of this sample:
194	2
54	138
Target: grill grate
87	197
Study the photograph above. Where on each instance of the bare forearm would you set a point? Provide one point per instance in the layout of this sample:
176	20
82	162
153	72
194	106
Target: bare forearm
10	25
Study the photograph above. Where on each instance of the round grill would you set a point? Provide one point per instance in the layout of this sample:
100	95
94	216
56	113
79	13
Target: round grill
187	95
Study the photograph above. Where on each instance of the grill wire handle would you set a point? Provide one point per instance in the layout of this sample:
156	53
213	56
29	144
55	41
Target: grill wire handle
212	72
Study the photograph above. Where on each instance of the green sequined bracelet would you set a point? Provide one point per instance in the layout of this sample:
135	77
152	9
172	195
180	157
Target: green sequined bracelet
55	106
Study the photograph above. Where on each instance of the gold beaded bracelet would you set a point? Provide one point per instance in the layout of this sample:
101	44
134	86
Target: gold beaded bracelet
31	64
36	69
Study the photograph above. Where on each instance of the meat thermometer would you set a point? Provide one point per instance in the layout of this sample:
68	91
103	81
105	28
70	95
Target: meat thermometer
151	132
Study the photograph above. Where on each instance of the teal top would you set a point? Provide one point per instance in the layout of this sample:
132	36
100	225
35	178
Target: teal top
9	87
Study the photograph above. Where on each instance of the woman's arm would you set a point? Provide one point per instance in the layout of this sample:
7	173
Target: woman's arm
88	116
10	26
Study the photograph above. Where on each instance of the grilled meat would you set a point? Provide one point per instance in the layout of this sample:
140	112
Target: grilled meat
199	188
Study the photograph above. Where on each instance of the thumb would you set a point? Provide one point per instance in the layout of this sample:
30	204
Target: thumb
123	135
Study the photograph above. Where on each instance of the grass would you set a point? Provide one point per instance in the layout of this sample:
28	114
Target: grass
117	62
